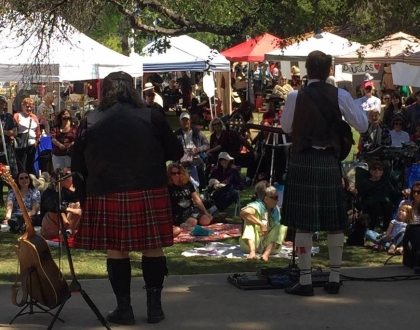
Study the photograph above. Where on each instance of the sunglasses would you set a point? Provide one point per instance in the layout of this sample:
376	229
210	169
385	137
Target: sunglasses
24	178
65	118
217	124
416	192
150	95
377	169
397	124
273	197
176	173
28	106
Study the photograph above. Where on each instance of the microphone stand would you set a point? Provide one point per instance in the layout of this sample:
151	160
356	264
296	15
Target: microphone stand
75	286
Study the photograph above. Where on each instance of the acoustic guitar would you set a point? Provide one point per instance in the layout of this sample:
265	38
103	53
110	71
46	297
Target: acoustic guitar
39	274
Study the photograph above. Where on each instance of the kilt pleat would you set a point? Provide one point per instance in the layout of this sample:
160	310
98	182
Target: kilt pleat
314	198
126	221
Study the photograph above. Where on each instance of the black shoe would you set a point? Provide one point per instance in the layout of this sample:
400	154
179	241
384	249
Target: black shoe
332	287
13	226
121	316
301	290
154	305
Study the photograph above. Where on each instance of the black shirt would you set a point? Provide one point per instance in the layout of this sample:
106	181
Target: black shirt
8	123
181	197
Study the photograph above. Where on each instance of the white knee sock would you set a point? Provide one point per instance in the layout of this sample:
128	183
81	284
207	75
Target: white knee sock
303	250
335	248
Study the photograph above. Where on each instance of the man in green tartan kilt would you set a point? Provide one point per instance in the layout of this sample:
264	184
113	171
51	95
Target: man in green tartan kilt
314	197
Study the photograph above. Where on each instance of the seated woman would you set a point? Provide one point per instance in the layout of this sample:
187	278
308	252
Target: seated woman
377	196
392	239
398	136
219	140
228	182
262	230
31	198
187	206
414	201
70	210
377	134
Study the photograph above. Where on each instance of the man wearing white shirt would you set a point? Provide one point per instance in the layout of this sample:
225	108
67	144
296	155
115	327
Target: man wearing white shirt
313	197
369	102
398	136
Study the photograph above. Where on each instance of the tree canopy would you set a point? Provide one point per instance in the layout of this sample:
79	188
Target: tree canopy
219	23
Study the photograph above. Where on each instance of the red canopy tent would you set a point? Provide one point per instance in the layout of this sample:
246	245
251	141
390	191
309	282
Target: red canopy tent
253	50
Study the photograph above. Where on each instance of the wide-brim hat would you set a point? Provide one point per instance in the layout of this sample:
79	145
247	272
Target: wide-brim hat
148	86
367	77
236	98
225	155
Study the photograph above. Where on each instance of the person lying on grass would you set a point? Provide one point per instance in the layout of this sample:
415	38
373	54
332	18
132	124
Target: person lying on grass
262	230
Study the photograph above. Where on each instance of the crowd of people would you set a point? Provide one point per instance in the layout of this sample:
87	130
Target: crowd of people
132	200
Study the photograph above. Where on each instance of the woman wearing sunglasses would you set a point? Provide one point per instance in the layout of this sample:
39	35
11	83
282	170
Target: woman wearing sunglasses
31	198
62	137
414	200
398	135
262	230
187	207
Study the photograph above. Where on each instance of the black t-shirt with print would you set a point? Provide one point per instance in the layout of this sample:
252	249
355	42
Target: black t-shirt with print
181	197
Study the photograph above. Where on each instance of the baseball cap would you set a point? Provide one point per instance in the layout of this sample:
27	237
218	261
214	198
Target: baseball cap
368	84
184	115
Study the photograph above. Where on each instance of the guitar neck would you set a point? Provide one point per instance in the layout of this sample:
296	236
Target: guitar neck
30	231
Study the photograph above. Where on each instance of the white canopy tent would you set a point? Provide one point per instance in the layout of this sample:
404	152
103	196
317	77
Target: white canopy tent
76	57
327	42
398	47
184	54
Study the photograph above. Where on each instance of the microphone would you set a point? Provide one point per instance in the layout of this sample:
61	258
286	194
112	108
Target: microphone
72	174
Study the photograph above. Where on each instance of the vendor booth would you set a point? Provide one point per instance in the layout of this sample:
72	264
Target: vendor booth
188	54
74	57
327	42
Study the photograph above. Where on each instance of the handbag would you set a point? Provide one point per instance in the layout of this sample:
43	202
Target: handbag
21	139
339	130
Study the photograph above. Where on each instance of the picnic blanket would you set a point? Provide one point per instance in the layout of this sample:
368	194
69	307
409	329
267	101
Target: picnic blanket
224	250
219	231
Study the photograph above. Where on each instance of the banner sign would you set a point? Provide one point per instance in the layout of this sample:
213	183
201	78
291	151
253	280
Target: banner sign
359	69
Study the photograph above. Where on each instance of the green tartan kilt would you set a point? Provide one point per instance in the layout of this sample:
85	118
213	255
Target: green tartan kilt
314	197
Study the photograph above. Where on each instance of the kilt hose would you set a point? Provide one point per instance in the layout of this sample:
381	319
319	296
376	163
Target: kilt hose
314	197
126	221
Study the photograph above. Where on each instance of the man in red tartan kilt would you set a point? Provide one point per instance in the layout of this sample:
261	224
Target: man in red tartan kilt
314	197
121	150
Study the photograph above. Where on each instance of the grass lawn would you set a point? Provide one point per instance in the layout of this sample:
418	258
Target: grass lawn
91	264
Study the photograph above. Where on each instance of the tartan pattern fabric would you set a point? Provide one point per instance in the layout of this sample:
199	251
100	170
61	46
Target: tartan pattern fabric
126	221
314	197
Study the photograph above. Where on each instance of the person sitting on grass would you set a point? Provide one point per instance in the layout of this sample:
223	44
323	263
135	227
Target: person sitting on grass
31	198
262	230
227	184
187	207
393	237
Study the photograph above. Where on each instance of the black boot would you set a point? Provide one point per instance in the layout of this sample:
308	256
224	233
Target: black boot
154	305
119	273
154	271
123	314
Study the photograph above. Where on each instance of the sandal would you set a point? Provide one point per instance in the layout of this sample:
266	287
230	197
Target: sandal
391	252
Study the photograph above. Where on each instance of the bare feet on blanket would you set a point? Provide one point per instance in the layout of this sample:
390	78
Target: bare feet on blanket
265	257
251	256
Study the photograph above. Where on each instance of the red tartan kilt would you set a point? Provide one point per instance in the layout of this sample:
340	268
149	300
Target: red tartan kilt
127	221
